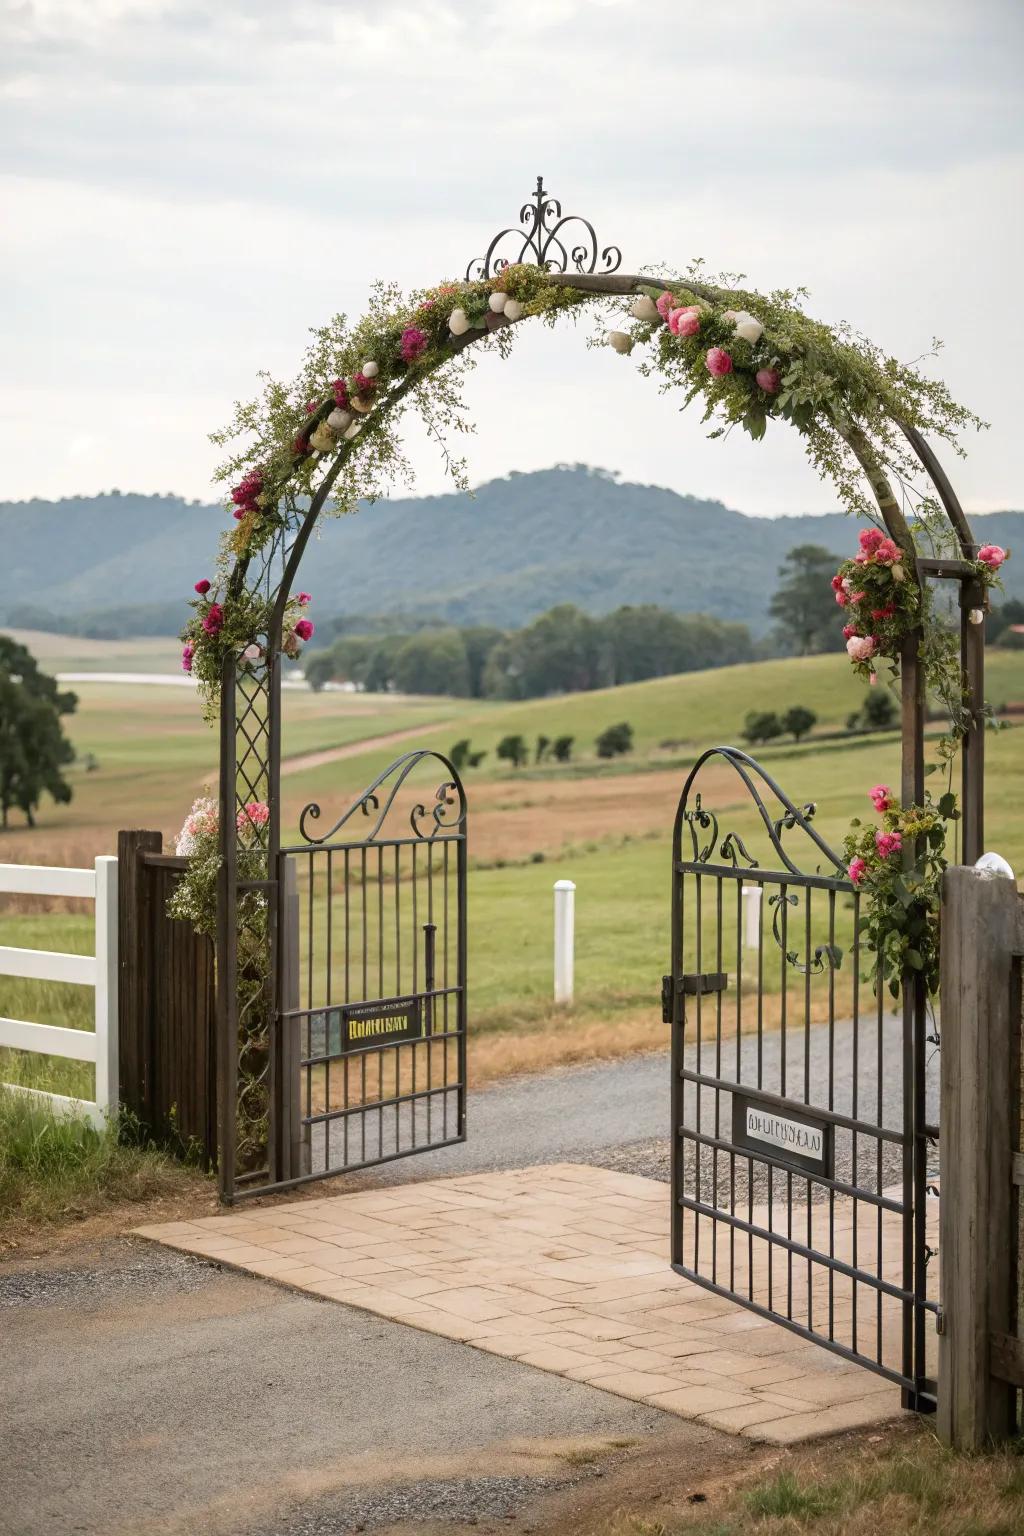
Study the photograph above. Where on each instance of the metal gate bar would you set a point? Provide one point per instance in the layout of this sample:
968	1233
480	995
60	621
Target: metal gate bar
797	1116
372	1006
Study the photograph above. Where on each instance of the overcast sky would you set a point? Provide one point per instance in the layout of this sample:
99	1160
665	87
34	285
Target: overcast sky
187	188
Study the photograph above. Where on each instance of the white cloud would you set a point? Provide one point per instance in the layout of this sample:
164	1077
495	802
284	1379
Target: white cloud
186	190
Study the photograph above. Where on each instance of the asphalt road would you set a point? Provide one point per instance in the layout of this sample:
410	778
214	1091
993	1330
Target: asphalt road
143	1391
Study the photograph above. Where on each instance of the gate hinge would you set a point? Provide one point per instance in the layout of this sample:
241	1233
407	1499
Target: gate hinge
940	1322
690	984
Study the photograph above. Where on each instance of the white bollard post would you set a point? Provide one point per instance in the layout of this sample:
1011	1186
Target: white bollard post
565	939
752	895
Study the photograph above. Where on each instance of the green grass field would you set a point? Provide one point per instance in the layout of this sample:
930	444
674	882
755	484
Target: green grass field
606	826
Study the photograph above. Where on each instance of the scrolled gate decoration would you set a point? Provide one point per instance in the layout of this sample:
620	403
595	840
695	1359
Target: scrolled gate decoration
801	1138
328	440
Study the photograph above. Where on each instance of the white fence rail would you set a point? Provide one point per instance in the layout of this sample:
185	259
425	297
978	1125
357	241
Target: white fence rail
98	971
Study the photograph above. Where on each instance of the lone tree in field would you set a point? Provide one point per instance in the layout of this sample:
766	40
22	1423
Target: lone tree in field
804	605
796	722
762	725
512	749
616	740
33	747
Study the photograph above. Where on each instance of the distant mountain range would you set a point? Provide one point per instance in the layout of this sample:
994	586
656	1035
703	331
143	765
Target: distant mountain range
126	563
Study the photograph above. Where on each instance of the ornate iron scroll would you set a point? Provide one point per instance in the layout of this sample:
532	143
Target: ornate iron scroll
711	847
446	814
541	242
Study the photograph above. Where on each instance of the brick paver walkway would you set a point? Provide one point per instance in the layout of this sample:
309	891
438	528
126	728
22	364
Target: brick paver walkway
564	1268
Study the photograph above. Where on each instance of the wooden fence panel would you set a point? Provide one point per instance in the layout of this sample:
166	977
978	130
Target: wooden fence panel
167	1014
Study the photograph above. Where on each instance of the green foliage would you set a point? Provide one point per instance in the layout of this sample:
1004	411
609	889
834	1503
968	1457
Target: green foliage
458	753
798	720
762	725
434	661
543	743
880	710
804	605
33	746
898	865
562	748
512	749
615	740
50	1164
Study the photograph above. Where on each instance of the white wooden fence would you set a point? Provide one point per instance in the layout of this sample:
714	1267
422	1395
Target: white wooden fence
98	970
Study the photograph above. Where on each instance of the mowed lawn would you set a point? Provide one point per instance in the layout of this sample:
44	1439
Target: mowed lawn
605	826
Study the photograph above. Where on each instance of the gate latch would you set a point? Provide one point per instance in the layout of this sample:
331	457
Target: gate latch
691	984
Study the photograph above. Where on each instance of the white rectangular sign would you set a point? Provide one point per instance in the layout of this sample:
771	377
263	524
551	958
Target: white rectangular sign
791	1135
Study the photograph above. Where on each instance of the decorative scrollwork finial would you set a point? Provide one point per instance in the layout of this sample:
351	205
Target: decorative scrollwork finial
541	242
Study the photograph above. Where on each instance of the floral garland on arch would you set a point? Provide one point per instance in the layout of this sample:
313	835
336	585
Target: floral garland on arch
753	358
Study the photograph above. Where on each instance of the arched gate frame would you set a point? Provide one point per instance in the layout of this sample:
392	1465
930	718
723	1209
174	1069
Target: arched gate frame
257	1057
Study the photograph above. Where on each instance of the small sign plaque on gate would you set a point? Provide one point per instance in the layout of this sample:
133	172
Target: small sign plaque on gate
384	1022
788	1136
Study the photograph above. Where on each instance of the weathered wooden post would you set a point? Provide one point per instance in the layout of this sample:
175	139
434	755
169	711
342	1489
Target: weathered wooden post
981	1357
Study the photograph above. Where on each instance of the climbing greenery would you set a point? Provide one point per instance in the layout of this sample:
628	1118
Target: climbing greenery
330	438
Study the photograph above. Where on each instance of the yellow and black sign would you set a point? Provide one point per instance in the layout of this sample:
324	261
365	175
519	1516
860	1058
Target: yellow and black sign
387	1021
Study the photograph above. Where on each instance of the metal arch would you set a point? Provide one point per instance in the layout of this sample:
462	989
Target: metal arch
449	793
793	816
288	547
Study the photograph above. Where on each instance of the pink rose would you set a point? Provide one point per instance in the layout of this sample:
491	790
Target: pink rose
837	581
887	553
768	379
213	619
992	555
304	598
255	814
841	598
664	303
413	344
861	647
857	870
848	630
186	658
718	362
881	798
304	629
202	587
870	538
684	322
888	843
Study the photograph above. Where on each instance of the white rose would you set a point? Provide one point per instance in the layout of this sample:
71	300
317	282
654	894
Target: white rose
620	341
457	323
370	370
644	308
338	420
353	431
496	303
748	328
513	309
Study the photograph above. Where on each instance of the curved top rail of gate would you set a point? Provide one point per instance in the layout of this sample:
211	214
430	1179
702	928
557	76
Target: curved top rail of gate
445	816
707	838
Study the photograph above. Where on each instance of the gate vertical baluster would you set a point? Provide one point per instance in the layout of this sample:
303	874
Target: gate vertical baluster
227	938
913	1011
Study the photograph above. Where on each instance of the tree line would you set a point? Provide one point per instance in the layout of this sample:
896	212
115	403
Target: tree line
563	651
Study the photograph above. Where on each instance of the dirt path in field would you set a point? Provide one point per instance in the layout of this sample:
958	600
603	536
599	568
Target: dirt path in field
306	760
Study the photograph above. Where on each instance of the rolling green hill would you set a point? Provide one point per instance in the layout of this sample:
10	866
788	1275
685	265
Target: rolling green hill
501	556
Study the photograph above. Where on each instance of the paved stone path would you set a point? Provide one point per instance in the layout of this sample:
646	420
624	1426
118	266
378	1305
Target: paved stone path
564	1268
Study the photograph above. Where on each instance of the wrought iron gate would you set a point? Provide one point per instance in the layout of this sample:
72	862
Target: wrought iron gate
372	984
799	1102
